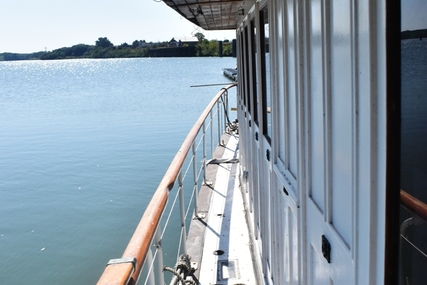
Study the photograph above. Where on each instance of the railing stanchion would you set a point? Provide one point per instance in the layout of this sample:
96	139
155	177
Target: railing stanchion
159	257
225	109
204	152
182	210
212	138
149	263
196	193
219	122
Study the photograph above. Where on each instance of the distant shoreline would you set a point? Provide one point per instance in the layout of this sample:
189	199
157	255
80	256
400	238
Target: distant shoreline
414	34
105	49
205	48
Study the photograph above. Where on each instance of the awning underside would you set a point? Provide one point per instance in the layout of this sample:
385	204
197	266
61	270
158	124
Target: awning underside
210	15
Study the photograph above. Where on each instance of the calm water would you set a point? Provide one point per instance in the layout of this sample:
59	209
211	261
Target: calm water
414	118
83	145
414	156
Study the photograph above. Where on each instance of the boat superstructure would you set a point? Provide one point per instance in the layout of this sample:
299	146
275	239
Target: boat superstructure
315	155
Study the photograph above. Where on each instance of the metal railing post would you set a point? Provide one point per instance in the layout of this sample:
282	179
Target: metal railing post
182	210
204	152
149	263
196	193
212	138
159	257
219	122
225	109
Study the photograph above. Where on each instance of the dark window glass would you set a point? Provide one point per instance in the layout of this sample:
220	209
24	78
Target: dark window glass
255	66
266	98
413	225
247	73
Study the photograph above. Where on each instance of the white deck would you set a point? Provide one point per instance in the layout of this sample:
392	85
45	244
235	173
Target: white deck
230	235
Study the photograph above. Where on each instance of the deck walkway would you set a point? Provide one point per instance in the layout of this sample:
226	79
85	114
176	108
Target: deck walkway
219	240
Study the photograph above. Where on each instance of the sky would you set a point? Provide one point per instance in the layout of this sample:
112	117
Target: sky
414	14
36	25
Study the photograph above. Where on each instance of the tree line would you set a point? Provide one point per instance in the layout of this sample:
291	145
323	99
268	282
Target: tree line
104	48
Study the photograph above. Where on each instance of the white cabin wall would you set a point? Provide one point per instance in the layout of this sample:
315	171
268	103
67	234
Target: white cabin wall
328	145
368	270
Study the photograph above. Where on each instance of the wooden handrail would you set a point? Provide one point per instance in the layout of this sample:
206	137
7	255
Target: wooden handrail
414	205
139	244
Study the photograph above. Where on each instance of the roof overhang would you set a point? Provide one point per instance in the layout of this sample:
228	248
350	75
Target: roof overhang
209	14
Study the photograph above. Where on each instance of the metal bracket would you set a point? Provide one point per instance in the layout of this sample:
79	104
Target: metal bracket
194	266
199	216
123	260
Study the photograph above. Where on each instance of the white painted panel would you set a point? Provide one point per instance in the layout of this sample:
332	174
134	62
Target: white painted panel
265	208
366	189
291	92
293	246
316	107
318	269
286	245
341	119
255	184
247	148
341	267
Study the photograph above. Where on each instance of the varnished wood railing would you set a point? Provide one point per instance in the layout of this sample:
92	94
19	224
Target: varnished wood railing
414	205
126	270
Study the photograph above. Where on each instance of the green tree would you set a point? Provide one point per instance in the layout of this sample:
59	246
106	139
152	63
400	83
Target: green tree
207	48
227	49
135	44
200	37
103	43
79	50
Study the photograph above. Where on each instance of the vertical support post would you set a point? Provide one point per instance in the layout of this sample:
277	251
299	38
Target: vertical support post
182	210
150	267
212	138
225	108
196	193
159	257
219	122
204	151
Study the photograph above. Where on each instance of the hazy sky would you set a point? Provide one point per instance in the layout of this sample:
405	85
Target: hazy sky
36	25
414	14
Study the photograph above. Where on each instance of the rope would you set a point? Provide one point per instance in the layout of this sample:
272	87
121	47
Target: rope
182	266
232	125
176	273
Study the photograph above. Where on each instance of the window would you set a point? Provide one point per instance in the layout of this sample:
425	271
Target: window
254	60
413	137
247	73
265	65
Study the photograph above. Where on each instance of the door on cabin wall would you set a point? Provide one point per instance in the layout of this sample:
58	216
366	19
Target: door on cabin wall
330	137
244	112
265	155
285	113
